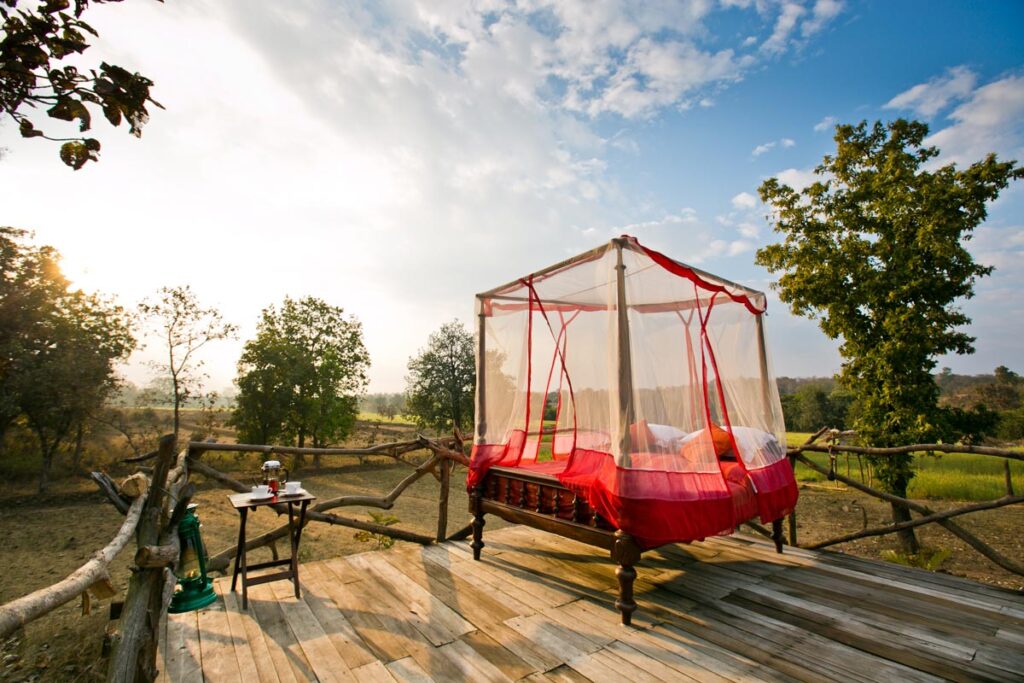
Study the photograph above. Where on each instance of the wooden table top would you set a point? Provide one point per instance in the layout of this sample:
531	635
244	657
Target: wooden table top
246	500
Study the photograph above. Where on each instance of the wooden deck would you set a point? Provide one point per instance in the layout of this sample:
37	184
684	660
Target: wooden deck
539	608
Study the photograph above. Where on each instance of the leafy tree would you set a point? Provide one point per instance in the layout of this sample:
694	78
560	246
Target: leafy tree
184	327
30	282
57	347
302	375
874	250
71	372
442	380
34	47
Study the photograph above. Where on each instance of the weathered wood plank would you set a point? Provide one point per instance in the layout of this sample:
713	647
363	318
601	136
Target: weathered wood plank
386	639
340	632
325	661
220	665
504	659
475	604
251	638
419	602
374	672
523	647
472	665
184	657
408	671
285	651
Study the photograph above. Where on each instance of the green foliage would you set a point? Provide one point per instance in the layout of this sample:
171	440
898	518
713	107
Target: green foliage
382	541
184	326
301	376
928	558
58	347
442	380
874	250
34	43
1011	425
812	407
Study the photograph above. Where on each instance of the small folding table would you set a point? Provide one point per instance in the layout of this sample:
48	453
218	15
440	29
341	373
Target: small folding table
243	502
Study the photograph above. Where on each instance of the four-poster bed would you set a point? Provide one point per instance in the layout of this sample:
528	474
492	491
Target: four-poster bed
626	400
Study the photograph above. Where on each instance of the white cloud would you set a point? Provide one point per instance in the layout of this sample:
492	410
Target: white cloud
990	120
928	99
784	26
797	178
824	11
825	124
744	200
768	146
749	229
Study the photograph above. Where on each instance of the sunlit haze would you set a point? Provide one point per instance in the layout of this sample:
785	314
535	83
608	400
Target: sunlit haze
395	158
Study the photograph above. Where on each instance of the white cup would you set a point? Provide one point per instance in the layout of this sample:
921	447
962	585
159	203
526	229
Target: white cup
292	487
261	491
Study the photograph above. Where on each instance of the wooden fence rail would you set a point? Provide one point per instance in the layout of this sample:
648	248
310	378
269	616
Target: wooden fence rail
927	515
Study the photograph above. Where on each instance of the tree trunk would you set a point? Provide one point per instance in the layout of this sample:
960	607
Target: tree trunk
907	537
76	457
300	459
47	465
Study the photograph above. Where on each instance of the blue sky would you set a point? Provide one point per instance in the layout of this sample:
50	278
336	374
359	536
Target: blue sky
394	158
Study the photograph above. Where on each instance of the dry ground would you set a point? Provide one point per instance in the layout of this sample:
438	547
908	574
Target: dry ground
43	539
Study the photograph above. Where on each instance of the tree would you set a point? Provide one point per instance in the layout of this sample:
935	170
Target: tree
72	371
57	347
302	375
185	327
34	44
442	379
874	250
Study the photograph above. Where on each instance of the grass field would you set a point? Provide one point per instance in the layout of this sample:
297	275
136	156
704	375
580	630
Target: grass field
953	476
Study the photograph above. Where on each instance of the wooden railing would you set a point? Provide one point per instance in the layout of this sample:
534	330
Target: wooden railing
834	445
153	503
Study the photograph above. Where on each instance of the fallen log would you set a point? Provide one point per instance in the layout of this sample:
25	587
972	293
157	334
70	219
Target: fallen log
17	613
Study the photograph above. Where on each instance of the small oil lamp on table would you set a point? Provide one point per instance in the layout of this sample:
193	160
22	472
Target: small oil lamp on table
195	588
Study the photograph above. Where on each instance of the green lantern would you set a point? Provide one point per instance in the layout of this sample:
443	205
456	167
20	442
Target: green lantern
195	589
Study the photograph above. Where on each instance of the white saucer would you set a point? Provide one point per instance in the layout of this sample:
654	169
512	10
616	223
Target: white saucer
259	499
300	492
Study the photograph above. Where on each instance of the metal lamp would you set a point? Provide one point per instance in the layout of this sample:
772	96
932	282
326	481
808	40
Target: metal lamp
195	589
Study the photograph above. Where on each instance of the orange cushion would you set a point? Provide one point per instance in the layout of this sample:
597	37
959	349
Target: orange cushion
723	443
641	438
719	439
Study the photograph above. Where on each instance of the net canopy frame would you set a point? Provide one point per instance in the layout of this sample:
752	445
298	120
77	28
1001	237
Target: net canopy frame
642	384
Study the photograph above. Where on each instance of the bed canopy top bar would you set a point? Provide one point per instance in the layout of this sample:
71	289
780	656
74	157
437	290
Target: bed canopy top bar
594	253
703	278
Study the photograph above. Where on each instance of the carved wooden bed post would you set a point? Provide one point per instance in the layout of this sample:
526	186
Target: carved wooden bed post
476	507
625	553
777	535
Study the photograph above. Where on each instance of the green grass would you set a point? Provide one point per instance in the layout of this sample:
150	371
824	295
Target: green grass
952	476
377	417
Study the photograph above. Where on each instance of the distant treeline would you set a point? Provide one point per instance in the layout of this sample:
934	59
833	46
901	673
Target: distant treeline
975	406
384	404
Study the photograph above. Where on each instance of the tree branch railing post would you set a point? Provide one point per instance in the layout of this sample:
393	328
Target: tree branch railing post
133	656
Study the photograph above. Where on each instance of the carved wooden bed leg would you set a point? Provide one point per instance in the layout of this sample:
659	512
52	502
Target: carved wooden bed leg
478	522
625	553
777	535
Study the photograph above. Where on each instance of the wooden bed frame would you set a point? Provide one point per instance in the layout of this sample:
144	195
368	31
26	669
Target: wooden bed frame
540	501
